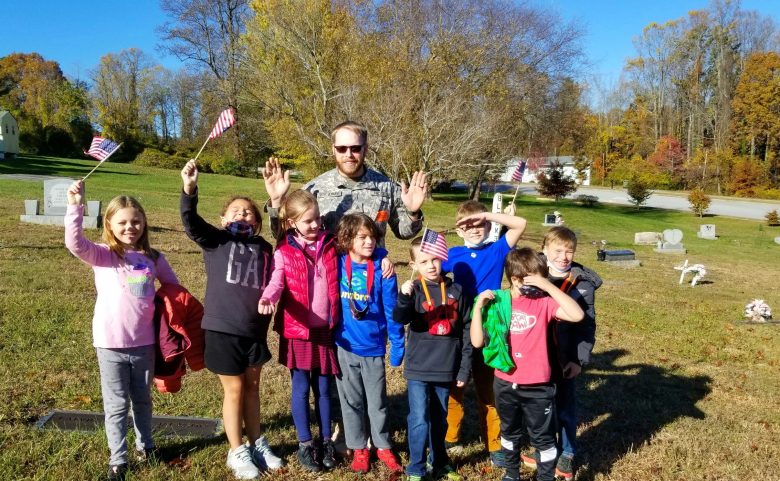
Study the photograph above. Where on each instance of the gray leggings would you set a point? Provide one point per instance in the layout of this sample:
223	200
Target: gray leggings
125	376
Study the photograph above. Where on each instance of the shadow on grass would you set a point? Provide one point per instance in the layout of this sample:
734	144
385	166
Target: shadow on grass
54	166
636	401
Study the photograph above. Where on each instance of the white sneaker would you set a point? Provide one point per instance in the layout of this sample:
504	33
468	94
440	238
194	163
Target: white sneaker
240	461
263	456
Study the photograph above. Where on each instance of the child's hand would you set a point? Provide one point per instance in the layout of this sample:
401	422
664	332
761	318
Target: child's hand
460	383
76	193
189	177
571	370
538	281
407	288
277	181
484	298
510	209
473	220
265	307
388	269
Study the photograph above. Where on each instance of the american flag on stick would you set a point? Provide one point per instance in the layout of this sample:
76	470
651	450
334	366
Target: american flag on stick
101	148
226	120
517	175
434	243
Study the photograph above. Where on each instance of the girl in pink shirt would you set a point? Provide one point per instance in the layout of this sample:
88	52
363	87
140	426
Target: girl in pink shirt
123	334
305	283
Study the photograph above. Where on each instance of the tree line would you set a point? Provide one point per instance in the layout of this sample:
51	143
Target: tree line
455	88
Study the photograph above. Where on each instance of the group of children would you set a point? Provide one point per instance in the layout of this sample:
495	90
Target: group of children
335	304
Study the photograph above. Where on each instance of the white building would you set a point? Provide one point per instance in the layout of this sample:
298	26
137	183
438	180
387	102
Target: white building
9	135
540	163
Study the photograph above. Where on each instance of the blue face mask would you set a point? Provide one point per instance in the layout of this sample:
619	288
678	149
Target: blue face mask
240	228
558	271
475	246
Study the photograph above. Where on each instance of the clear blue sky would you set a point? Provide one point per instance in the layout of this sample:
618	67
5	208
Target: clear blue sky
77	34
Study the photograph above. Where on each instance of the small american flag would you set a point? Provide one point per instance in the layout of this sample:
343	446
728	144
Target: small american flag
517	175
434	243
101	148
225	121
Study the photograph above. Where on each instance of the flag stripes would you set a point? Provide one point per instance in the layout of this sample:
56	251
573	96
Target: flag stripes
101	148
225	121
517	175
434	243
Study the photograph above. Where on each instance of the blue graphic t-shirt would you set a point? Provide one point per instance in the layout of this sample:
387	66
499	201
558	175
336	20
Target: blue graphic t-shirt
477	270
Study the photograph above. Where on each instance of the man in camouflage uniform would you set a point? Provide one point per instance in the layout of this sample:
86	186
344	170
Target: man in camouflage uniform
353	187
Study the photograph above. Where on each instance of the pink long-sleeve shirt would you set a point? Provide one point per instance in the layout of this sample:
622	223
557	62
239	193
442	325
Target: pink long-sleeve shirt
124	308
318	289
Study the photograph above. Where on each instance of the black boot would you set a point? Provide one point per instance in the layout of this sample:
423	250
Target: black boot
328	454
306	457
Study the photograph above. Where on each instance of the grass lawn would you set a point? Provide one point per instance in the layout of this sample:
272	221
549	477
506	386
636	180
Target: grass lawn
679	389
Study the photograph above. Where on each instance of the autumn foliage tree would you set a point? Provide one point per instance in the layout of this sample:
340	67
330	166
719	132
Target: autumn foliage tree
699	201
553	182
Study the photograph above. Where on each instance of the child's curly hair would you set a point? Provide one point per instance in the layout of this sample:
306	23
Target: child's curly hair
348	229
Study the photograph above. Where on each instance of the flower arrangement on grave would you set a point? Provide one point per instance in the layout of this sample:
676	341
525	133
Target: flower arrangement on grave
698	271
758	311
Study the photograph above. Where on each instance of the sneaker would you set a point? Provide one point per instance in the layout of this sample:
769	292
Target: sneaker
509	477
147	454
360	461
565	468
497	458
528	459
387	457
306	457
328	454
453	448
263	456
447	472
117	472
239	460
413	477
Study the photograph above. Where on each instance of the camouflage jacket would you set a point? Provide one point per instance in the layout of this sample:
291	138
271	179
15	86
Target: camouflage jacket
373	194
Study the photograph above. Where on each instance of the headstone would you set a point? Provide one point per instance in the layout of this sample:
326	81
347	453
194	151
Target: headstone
619	255
55	205
55	196
777	240
549	220
671	242
646	238
707	231
184	426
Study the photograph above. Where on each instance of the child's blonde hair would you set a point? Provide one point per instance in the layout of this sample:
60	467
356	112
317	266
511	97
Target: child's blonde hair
348	229
293	207
142	245
255	210
562	235
523	262
468	208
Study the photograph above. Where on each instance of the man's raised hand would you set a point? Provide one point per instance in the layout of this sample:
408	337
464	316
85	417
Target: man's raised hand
277	181
414	195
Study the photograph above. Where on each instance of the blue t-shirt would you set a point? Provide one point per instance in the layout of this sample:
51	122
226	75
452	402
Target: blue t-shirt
478	269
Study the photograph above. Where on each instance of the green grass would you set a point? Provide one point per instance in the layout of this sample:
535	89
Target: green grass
678	390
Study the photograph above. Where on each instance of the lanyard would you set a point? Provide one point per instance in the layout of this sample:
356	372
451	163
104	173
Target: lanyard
359	313
568	283
428	294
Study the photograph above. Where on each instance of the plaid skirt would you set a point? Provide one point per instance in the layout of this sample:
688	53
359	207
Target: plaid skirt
317	352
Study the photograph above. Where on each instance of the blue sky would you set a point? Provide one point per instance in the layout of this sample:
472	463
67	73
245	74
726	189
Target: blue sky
77	34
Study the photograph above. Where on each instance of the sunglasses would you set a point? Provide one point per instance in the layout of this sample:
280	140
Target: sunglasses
352	148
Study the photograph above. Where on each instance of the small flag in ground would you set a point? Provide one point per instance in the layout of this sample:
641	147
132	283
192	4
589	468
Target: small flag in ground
225	121
101	148
434	243
517	175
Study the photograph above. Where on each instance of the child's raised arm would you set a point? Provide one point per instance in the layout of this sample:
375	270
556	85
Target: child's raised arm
516	225
475	330
568	309
189	177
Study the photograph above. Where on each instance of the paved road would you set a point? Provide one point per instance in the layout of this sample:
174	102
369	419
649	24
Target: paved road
731	207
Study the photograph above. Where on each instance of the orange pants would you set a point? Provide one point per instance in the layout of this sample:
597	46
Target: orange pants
489	423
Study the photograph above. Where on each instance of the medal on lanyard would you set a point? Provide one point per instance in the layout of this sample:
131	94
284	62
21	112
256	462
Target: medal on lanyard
353	307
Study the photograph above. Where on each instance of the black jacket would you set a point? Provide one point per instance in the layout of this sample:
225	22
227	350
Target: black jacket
430	357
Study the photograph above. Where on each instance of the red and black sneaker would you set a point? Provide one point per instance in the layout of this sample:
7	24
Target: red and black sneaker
388	458
565	468
360	461
528	459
